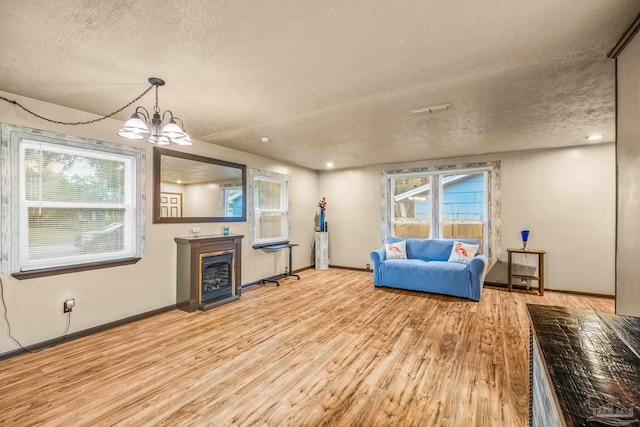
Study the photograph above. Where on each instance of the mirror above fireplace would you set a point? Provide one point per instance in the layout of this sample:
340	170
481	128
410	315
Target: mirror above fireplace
191	188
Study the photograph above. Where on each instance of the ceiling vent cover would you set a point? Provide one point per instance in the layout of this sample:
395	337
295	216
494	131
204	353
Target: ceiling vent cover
432	109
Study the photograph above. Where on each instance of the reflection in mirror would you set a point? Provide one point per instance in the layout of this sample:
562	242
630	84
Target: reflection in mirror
190	188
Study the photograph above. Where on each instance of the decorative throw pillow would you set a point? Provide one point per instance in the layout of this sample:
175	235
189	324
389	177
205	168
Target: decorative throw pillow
396	250
463	252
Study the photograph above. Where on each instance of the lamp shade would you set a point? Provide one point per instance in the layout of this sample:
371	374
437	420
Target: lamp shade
129	134
163	140
525	235
173	131
136	124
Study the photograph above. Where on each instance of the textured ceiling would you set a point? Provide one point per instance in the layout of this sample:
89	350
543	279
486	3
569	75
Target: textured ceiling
331	80
188	171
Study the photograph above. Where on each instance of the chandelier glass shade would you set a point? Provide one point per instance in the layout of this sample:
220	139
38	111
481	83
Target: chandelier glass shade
160	130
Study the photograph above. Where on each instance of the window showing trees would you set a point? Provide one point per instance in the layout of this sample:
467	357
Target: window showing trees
270	213
71	205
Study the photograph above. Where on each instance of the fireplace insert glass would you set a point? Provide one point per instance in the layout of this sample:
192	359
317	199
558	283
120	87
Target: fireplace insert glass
217	277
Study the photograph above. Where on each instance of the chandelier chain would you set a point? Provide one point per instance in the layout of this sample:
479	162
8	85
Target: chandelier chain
156	108
133	101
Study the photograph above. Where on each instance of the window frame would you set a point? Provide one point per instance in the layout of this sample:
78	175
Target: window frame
262	175
491	208
16	139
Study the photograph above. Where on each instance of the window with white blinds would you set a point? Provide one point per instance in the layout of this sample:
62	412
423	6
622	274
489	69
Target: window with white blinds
270	213
72	204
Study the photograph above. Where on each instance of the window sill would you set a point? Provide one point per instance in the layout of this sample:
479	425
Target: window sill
73	269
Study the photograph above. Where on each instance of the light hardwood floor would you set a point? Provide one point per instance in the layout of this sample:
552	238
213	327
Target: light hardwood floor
329	349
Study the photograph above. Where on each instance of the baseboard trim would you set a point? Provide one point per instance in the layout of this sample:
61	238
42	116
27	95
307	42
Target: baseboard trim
341	267
84	333
584	294
561	291
250	284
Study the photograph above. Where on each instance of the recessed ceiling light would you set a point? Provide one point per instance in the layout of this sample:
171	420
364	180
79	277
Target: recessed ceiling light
594	137
265	139
179	182
329	164
432	108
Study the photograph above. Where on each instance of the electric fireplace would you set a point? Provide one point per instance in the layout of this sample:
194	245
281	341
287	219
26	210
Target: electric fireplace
208	271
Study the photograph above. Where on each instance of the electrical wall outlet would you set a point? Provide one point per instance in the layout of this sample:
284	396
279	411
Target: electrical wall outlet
286	270
68	305
368	266
195	230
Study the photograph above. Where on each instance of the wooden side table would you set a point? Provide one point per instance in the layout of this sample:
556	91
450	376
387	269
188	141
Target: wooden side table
539	277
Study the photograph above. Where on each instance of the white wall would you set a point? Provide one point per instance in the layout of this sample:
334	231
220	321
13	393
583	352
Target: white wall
628	155
566	197
202	199
105	295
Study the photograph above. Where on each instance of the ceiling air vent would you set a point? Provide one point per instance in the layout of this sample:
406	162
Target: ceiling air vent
432	109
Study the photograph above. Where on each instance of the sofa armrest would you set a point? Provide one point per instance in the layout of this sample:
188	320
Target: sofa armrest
377	257
478	268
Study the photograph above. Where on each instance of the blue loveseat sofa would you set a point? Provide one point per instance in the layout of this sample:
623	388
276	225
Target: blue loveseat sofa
427	269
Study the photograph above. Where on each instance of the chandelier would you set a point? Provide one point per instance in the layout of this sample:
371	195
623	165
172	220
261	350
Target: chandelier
161	131
141	122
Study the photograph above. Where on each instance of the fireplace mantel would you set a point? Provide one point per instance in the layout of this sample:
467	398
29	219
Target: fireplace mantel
190	249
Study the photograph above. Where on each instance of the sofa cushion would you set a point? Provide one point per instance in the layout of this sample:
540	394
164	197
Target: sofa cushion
396	250
462	252
430	249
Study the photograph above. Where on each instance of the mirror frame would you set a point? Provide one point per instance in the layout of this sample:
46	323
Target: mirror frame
157	156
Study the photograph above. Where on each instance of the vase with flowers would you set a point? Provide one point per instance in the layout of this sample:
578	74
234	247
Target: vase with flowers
322	205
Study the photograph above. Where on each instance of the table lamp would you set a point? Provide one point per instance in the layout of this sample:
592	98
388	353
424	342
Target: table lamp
525	237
